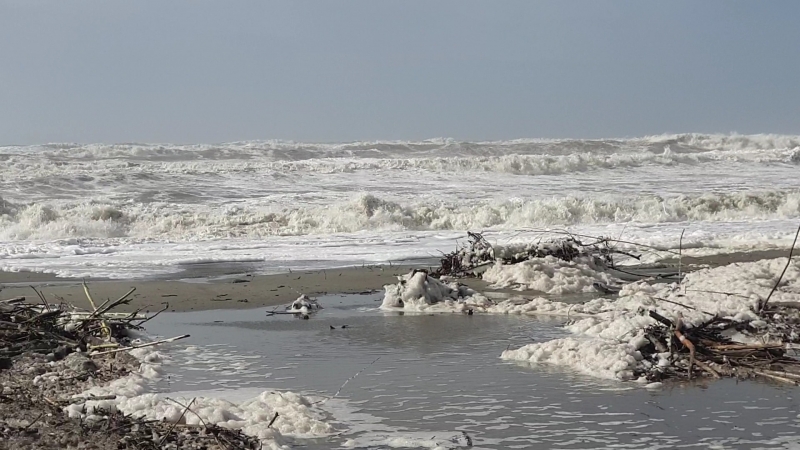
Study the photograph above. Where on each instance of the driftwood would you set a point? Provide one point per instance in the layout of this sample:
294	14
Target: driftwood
50	428
59	329
478	254
717	355
56	330
764	304
707	348
149	344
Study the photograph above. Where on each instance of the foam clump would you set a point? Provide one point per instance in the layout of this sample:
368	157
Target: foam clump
418	291
296	415
304	305
546	307
607	337
130	395
548	275
595	357
134	384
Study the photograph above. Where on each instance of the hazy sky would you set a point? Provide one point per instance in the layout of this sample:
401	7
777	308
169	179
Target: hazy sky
201	71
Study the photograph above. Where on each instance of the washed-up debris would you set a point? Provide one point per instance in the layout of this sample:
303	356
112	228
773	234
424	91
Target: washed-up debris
678	351
769	352
304	305
30	421
606	288
51	352
302	308
57	330
718	323
420	291
478	255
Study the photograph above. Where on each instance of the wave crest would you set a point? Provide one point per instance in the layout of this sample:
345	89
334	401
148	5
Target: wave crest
295	151
370	213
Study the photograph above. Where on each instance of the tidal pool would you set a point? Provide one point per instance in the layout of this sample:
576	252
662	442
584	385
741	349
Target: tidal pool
436	381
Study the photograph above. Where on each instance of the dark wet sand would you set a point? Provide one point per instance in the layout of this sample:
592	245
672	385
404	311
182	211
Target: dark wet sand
186	294
199	290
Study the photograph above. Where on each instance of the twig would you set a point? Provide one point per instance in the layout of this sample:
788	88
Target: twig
680	256
717	292
104	326
34	420
348	380
790	375
103	308
274	418
789	261
41	297
685	306
166	306
188	409
645	277
685	341
163	439
707	368
775	377
198	416
726	347
149	344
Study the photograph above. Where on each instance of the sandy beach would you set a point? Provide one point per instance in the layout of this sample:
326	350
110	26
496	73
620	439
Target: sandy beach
231	292
220	287
188	294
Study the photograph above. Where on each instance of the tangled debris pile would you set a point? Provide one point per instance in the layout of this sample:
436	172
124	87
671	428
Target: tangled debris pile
717	323
771	331
479	254
51	352
30	421
675	349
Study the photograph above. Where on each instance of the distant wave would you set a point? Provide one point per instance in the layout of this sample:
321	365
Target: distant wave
72	173
442	147
368	212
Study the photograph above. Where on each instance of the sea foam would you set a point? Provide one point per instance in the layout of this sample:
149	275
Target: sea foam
118	198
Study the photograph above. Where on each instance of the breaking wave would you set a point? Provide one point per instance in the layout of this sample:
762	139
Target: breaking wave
442	147
72	169
371	213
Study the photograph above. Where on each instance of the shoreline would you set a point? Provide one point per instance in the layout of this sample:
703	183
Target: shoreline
228	287
196	294
53	411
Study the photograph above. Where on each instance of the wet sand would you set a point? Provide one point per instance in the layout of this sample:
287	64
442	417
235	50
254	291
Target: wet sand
207	288
187	294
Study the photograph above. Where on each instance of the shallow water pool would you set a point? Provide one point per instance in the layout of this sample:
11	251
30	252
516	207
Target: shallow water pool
428	381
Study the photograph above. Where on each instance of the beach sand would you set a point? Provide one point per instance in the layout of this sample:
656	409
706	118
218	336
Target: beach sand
221	287
188	294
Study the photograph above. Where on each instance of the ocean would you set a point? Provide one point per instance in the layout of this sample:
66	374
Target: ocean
375	372
147	210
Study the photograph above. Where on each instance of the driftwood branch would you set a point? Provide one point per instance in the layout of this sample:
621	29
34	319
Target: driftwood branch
788	262
148	344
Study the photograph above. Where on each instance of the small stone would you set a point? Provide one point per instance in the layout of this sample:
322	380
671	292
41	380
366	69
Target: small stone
61	353
79	363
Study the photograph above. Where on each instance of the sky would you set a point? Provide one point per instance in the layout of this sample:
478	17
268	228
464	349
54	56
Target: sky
191	71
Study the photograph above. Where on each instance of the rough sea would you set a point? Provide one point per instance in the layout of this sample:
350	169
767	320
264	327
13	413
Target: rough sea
142	210
381	378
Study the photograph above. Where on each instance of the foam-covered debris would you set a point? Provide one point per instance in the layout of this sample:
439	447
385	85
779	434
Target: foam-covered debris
606	340
548	275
